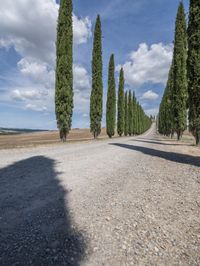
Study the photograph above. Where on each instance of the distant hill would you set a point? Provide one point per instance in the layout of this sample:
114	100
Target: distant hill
8	131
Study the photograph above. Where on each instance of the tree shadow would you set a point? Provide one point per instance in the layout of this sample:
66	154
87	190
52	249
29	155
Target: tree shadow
152	141
35	224
171	156
156	139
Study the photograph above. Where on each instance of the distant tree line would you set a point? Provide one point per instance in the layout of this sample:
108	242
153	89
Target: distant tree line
182	93
131	118
123	113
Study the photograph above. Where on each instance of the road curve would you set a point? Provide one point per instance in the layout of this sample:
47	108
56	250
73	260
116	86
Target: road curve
125	201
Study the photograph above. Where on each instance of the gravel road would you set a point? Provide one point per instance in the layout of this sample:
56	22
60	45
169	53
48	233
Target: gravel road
125	201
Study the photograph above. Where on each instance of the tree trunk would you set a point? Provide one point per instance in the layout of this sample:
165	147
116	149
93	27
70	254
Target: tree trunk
197	138
64	137
178	135
95	135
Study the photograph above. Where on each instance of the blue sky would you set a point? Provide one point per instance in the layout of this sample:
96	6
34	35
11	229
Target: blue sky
139	32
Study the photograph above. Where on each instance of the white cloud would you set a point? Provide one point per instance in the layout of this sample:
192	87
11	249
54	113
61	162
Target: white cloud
25	95
36	108
30	26
152	111
150	95
82	85
41	93
148	64
38	72
81	78
82	29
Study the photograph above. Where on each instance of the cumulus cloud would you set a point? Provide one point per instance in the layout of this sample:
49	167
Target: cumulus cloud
82	29
150	95
148	64
25	95
82	85
81	78
152	111
39	93
30	26
36	108
38	72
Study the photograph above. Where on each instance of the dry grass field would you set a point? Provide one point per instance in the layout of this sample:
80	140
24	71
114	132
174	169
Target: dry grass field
46	137
52	137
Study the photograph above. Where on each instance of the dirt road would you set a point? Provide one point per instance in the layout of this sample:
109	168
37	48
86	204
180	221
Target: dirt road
128	201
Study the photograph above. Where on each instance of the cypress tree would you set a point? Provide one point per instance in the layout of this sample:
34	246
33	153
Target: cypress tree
166	124
194	69
169	96
137	119
111	100
130	114
138	122
96	98
121	111
126	115
180	73
134	114
64	69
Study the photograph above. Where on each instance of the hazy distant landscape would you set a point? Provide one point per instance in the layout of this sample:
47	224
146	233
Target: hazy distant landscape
9	131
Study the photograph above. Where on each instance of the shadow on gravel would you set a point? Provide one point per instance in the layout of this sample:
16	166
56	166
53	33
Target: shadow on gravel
171	156
157	142
156	139
35	224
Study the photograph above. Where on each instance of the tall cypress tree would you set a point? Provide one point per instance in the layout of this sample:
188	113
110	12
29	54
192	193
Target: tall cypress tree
111	100
96	98
170	88
138	118
180	73
194	69
126	115
64	69
134	114
130	114
166	124
121	111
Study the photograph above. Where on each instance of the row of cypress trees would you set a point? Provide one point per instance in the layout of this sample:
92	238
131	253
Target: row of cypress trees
182	92
136	121
131	118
